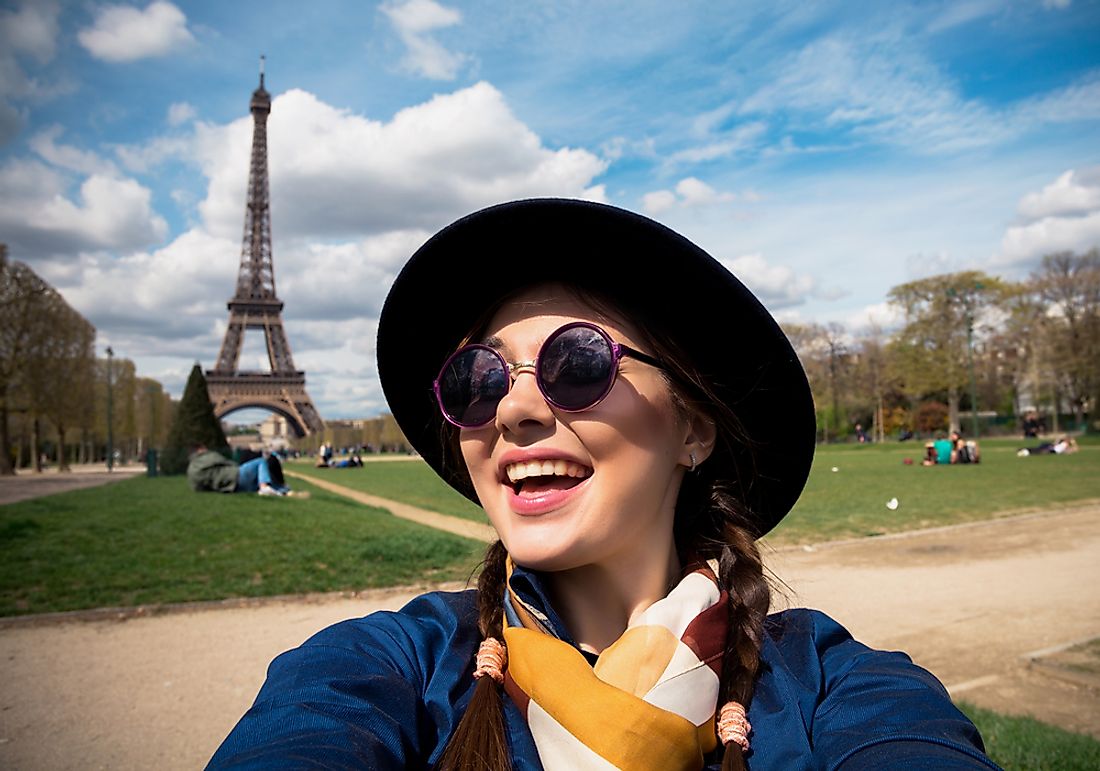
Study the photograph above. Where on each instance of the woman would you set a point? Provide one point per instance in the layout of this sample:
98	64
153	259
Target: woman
631	419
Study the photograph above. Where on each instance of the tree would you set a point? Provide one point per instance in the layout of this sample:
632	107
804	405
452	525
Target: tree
933	351
1069	285
61	371
20	290
194	424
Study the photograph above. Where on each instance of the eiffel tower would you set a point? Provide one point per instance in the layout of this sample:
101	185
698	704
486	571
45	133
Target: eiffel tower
255	306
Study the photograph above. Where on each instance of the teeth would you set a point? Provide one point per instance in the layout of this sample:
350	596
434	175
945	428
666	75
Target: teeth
545	468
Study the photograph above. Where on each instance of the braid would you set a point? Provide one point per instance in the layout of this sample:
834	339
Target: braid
741	574
478	741
713	523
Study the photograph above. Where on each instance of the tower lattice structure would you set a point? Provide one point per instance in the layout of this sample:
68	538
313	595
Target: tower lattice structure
256	306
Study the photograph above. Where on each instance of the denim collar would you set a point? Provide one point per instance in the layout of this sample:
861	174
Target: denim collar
530	587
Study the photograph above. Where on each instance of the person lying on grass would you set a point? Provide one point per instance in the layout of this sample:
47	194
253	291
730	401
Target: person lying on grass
210	471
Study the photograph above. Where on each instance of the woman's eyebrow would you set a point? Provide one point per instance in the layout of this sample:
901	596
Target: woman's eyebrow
493	342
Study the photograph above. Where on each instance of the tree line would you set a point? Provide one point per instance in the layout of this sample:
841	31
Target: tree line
970	344
53	388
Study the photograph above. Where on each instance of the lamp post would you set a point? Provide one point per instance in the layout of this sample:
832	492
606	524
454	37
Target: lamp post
110	415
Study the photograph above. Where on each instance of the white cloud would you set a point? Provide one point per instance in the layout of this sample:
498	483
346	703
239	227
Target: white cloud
414	21
180	113
38	218
122	33
878	89
335	174
44	143
30	29
1062	216
777	286
690	192
1073	193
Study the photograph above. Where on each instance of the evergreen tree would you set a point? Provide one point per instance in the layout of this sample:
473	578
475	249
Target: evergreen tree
194	424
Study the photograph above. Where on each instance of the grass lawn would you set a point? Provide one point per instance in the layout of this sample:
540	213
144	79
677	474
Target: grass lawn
146	540
1023	744
409	481
849	502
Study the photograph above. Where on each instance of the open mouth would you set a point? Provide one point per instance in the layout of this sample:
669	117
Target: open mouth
541	476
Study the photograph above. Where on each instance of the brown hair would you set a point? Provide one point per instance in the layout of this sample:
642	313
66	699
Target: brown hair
712	522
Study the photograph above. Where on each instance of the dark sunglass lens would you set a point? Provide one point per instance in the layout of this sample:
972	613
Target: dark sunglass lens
576	368
472	385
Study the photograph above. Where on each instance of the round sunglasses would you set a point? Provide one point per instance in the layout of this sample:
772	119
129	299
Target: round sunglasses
575	369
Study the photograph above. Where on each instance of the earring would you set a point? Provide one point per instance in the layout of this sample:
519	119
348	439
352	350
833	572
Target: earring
693	463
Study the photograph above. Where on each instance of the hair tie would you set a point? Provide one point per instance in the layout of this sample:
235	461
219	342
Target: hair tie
492	657
733	726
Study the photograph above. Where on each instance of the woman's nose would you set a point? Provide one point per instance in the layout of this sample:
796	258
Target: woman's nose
524	406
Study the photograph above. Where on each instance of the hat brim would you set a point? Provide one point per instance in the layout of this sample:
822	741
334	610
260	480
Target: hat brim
659	278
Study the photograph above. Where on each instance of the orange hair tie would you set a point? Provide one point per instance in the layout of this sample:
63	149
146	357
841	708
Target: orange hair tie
492	657
733	726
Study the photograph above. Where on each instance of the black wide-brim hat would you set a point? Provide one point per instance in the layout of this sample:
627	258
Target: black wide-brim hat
657	277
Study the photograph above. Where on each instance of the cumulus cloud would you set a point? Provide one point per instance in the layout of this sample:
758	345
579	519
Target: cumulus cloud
335	174
122	33
690	192
1063	216
27	30
777	286
38	218
415	21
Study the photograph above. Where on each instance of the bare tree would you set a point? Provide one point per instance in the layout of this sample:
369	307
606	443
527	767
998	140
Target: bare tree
1070	286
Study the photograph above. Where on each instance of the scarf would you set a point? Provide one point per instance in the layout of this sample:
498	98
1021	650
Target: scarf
649	703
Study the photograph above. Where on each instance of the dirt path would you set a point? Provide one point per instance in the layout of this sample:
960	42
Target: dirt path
28	484
967	602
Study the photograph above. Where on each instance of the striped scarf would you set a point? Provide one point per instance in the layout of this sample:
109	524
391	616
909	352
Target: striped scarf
650	700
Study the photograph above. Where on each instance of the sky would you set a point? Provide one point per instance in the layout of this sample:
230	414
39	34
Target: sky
824	152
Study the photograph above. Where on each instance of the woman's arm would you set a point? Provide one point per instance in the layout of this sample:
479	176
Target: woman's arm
375	692
879	709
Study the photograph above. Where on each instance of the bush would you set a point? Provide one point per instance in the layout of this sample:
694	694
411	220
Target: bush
931	417
195	424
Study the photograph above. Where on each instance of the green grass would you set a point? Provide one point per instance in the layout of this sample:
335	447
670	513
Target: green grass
143	541
851	501
1024	744
409	481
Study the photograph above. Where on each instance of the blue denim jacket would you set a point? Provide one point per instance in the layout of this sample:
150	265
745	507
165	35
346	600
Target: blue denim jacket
387	690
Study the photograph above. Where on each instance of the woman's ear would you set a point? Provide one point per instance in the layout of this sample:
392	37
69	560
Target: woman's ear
699	440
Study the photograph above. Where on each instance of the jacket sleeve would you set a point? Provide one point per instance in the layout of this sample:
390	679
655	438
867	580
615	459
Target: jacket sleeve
357	695
878	709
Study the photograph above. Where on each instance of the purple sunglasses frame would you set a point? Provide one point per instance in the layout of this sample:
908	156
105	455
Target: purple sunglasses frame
618	352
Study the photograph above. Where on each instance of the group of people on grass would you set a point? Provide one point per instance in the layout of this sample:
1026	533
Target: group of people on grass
952	450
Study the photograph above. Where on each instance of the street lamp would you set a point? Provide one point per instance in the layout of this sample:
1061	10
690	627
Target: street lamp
110	415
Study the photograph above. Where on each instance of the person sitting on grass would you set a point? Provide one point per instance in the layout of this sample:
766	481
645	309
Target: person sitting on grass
963	451
210	471
938	452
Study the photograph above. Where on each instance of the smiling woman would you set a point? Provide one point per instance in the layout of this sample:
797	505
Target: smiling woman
631	419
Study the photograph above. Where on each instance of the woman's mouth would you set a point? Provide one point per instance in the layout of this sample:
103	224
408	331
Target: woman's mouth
539	486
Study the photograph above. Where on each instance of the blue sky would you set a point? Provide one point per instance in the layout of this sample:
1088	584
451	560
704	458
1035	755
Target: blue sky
825	152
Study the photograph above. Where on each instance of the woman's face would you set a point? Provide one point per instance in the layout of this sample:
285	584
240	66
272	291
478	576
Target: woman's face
566	490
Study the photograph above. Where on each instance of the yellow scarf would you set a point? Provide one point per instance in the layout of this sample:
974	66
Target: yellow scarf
650	700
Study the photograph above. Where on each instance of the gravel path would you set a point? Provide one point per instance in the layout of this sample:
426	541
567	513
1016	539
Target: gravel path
161	690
